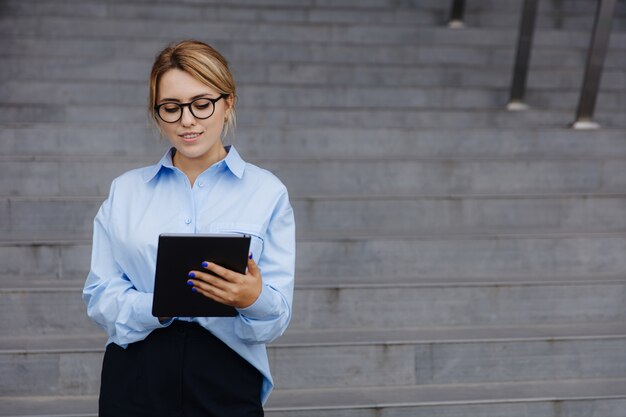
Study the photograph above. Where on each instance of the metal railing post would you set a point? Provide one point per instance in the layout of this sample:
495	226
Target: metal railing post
522	57
593	68
456	15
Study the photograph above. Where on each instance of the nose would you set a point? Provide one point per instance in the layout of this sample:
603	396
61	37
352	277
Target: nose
187	118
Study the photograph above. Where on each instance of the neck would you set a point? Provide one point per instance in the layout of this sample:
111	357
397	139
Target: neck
193	167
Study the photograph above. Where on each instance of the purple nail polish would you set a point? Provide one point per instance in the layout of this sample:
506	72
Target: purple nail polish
205	264
194	289
250	256
192	275
190	283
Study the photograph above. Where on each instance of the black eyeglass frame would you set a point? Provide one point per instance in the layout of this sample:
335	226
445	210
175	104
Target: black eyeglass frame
182	106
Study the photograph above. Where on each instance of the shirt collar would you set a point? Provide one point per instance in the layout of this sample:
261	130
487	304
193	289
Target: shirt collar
233	161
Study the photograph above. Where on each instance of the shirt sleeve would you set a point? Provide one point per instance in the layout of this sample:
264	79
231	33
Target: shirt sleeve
268	317
112	300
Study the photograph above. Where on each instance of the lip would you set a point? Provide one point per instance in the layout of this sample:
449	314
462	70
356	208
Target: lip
191	136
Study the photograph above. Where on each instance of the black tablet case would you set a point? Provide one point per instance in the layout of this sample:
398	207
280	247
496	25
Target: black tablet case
177	255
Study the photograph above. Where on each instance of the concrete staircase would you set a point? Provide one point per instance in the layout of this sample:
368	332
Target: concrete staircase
454	259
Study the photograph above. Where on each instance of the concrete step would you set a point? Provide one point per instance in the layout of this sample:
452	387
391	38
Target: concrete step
62	93
50	406
29	37
227	12
111	140
513	399
104	53
475	362
330	74
74	280
73	176
255	96
461	256
573	398
571	7
89	341
562	17
444	303
301	73
457	214
523	355
315	117
474	256
140	28
47	308
341	117
59	27
354	215
555	20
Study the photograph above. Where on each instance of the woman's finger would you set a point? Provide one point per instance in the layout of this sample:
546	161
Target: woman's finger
208	287
202	277
210	295
253	268
227	274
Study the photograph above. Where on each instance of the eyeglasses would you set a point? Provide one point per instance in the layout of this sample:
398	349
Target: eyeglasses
200	108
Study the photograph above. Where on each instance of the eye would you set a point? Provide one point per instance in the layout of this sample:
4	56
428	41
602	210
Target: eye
170	108
201	104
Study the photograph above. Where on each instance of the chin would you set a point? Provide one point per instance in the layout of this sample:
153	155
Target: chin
194	151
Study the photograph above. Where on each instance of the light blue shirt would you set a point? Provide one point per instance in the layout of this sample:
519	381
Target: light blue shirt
231	196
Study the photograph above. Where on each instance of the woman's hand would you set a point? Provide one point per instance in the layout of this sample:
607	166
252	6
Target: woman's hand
228	287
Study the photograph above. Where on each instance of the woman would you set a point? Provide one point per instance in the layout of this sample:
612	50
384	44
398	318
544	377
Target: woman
186	366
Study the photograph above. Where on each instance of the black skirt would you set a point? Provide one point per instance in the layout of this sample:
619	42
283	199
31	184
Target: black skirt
180	370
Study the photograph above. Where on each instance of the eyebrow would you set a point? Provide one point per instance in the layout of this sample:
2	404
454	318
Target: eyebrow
192	98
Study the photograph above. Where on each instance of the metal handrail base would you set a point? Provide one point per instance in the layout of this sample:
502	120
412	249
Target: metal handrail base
456	24
585	125
517	106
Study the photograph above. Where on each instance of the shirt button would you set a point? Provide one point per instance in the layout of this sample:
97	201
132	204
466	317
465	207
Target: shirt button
187	221
200	184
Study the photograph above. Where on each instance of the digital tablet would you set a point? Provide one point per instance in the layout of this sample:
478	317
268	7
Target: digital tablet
177	254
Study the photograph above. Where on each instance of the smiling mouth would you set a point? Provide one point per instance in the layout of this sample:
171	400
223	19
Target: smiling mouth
190	136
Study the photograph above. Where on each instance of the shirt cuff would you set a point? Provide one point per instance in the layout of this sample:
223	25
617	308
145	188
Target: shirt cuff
143	305
263	307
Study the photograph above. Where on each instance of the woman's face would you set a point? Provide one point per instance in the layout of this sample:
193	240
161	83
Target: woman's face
193	138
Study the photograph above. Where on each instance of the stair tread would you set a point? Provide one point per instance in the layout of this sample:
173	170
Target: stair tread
68	240
109	93
374	196
558	117
453	393
360	281
469	35
357	8
305	281
90	342
150	160
453	334
327	54
50	406
67	342
497	69
523	133
337	117
362	398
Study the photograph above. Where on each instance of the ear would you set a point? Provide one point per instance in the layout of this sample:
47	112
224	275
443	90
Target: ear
230	101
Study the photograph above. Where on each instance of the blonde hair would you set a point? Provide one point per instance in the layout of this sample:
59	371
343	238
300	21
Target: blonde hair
202	62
